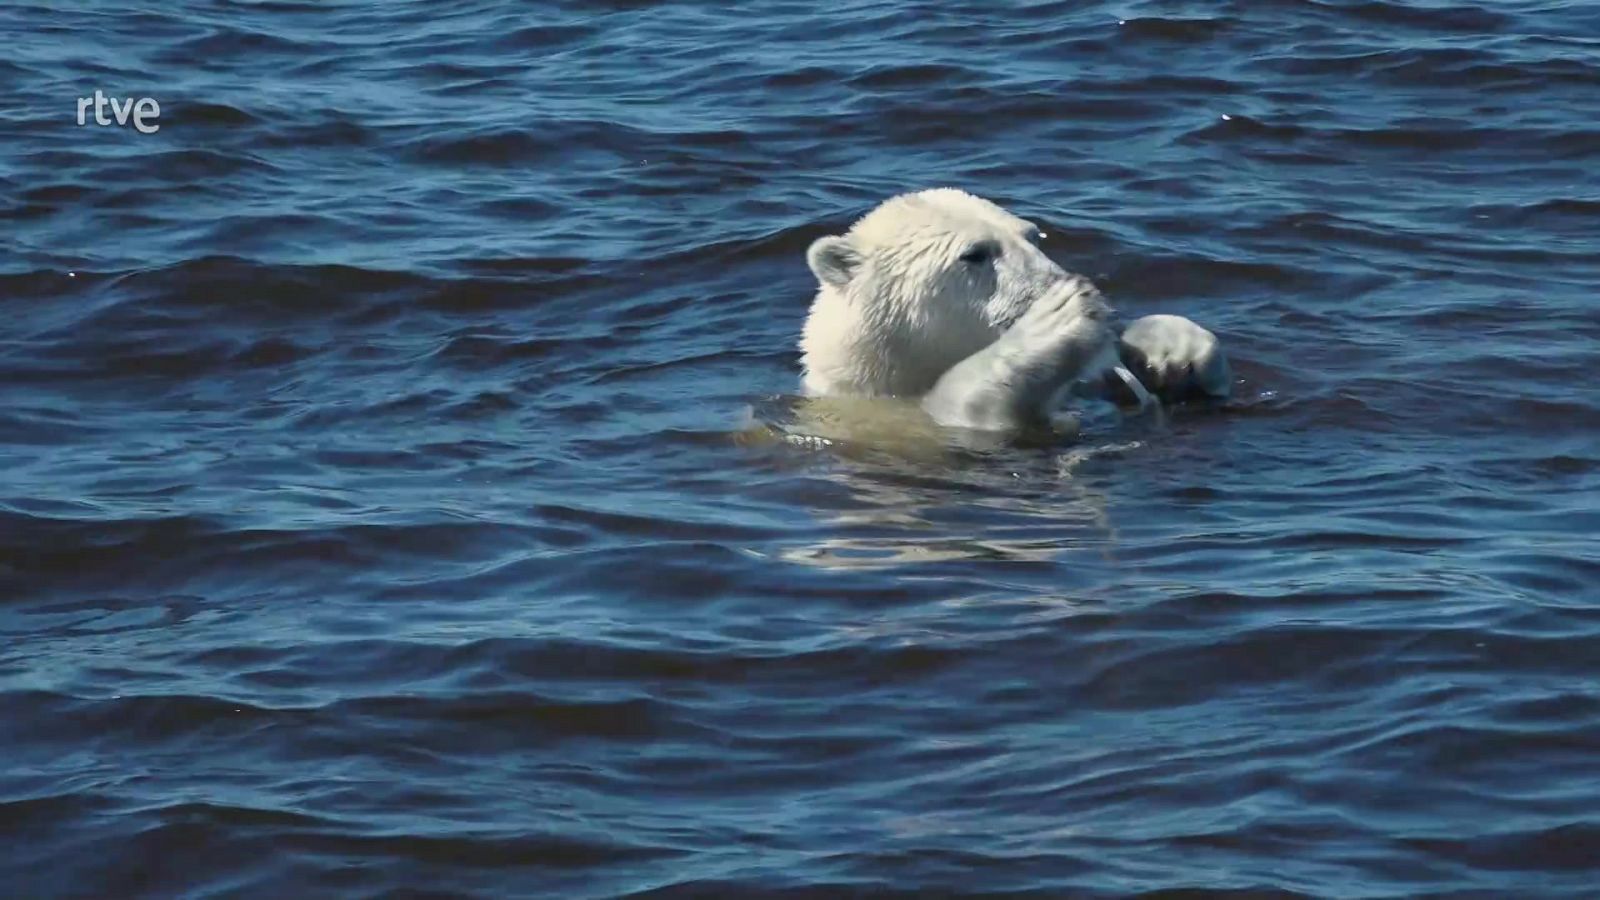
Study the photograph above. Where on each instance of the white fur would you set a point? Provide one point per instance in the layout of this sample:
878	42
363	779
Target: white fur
986	344
1172	355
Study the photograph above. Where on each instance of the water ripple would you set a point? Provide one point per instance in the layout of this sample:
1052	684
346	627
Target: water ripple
404	488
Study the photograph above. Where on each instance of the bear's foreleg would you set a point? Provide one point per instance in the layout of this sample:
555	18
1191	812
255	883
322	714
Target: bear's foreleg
1015	381
1174	358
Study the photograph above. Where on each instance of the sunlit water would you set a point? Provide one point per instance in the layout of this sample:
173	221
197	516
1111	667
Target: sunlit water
390	498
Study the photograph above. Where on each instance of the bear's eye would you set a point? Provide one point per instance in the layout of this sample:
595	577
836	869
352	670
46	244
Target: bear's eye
1036	237
977	255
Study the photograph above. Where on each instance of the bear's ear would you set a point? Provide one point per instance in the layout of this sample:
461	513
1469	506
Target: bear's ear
833	260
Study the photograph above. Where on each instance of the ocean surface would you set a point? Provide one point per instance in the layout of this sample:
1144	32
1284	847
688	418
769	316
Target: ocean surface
390	503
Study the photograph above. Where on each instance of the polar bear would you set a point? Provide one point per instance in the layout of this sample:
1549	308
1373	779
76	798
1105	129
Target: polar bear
945	297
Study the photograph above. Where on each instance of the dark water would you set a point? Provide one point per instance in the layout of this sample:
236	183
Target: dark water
373	517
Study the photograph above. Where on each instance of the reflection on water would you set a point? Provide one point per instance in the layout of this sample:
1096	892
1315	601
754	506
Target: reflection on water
912	488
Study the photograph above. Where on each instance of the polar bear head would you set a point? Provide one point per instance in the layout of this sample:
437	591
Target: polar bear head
914	287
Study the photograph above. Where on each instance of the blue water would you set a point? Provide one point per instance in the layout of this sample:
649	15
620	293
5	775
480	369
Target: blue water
381	513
